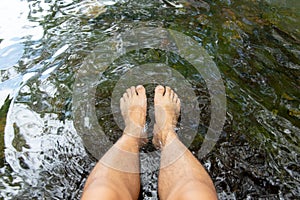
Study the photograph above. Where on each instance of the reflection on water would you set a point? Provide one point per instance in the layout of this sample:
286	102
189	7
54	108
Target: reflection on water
255	44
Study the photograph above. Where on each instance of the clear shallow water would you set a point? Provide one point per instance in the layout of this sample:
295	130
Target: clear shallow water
255	44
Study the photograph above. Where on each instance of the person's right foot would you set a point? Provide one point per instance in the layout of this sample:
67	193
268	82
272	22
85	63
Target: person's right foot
167	110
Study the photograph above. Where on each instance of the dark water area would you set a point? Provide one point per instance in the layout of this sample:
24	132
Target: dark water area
254	43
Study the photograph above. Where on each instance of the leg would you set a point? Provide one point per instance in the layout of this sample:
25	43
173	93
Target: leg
116	175
185	178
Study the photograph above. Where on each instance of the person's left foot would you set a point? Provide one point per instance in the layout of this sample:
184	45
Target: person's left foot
133	106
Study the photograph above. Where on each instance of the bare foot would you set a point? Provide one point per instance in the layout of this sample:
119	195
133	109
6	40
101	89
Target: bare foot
167	110
133	106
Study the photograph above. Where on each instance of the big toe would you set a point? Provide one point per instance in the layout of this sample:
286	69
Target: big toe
141	90
159	91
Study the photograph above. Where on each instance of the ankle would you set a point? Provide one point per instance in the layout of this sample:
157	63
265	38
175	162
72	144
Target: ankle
164	136
134	130
170	135
135	133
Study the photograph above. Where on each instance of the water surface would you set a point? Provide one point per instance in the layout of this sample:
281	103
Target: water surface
255	44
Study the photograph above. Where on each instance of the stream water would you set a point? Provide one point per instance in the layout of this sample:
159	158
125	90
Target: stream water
255	45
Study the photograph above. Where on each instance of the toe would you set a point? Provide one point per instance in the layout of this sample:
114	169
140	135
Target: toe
178	105
128	92
122	100
133	91
159	91
168	91
172	95
125	96
140	90
175	98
